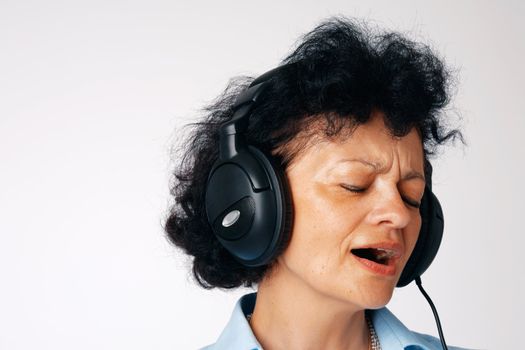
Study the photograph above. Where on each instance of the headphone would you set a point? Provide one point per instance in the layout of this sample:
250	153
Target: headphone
248	201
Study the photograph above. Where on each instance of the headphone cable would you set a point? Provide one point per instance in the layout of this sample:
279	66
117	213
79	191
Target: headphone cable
436	316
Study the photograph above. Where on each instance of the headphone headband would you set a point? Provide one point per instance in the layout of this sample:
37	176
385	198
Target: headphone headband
231	131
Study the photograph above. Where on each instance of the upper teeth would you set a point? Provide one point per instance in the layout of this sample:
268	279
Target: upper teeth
385	253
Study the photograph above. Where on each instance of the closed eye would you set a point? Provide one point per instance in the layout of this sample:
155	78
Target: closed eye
411	202
354	189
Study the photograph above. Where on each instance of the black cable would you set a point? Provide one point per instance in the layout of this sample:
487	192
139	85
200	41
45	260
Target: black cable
436	316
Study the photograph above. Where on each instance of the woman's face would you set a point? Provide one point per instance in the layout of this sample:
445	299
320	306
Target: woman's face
355	222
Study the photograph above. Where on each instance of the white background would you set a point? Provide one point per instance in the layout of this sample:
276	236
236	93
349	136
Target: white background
92	94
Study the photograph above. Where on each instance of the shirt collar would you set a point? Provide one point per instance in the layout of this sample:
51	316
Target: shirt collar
391	332
238	334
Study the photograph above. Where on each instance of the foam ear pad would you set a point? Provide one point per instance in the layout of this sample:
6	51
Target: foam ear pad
279	180
249	207
429	239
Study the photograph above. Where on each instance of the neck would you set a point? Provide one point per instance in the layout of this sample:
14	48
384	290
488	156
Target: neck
289	314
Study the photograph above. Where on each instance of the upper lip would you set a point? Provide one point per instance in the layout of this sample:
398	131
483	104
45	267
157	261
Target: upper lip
392	246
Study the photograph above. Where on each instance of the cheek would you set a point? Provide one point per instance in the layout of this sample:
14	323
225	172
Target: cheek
313	238
325	209
321	227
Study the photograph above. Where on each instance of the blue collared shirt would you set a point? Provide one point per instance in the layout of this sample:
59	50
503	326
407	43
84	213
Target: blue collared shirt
391	332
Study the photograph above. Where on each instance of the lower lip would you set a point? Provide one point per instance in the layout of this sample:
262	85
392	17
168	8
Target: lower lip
384	270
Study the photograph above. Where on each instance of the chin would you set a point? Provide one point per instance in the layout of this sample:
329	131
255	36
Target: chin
369	296
376	304
376	297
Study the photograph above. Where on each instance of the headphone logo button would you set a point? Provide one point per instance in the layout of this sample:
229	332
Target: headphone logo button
231	218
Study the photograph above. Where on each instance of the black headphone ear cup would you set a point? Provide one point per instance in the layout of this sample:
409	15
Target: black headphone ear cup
429	239
248	207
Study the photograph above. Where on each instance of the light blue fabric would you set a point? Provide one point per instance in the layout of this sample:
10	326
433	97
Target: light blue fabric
391	332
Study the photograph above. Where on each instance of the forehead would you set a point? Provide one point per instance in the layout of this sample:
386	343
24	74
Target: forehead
374	138
372	142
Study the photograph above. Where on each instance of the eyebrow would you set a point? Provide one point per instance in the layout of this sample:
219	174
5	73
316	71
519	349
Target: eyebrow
412	174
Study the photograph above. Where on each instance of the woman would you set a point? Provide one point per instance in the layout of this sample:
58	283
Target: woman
312	182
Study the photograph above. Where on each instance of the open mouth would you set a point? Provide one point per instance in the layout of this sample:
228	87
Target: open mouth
378	255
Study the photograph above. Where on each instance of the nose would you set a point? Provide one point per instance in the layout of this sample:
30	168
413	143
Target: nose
389	209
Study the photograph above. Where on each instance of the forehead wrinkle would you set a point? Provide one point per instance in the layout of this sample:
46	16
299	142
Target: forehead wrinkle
379	168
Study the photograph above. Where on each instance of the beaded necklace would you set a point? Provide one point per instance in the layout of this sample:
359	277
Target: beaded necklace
373	338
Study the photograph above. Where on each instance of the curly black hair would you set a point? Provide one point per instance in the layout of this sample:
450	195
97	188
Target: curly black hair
339	73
